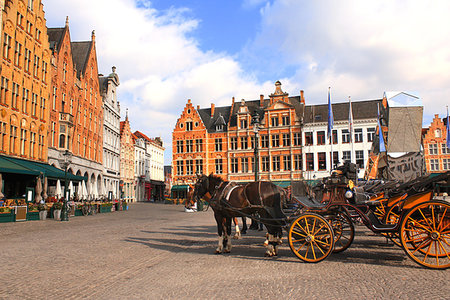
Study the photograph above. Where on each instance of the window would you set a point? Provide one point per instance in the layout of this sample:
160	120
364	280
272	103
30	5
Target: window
275	163
264	141
322	160
275	140
13	139
17	54
179	167
198	145
287	162
179	146
285	120
445	149
253	164
308	138
19	20
265	164
234	165
64	71
446	164
25	100
189	167
244	142
189	146
218	145
38	35
335	159
29	27
359	156
218	164
62	141
345	136
198	166
433	149
32	143
243	123
15	95
233	143
244	164
219	127
346	156
188	126
27	60
23	138
297	139
370	134
286	139
6	46
252	142
34	104
321	138
434	165
358	135
4	90
437	133
297	162
54	98
36	66
274	121
335	137
310	161
3	136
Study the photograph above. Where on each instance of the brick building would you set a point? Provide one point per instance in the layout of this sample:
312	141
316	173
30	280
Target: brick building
221	140
25	81
436	152
76	106
127	161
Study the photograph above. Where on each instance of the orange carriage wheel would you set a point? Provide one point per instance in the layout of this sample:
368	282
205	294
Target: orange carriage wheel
343	230
425	234
311	238
393	217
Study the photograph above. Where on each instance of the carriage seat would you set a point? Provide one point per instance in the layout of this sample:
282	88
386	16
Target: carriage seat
309	202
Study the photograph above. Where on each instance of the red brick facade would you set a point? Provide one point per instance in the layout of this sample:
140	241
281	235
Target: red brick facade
436	153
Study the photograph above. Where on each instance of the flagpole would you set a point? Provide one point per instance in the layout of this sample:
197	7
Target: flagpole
351	130
330	128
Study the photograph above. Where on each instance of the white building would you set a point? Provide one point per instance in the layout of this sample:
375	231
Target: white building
317	149
140	168
111	133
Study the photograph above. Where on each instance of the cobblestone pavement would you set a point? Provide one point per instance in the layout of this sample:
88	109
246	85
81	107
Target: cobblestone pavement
157	251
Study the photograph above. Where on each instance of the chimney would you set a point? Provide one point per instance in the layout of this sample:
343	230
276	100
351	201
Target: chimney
261	100
212	109
302	97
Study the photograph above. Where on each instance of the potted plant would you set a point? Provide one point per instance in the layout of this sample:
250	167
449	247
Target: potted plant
42	211
6	214
33	212
57	206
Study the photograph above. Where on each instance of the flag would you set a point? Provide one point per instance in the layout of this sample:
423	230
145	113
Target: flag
448	131
350	120
380	133
330	119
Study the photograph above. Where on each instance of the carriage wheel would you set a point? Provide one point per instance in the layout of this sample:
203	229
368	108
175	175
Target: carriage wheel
425	234
311	238
344	231
393	217
380	209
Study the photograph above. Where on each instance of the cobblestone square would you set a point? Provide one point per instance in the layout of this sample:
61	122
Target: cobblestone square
157	251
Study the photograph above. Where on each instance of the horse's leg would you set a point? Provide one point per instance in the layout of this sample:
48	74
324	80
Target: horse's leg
219	221
244	225
227	239
237	235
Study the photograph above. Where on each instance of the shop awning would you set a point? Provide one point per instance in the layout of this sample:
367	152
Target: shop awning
36	168
282	183
181	187
7	166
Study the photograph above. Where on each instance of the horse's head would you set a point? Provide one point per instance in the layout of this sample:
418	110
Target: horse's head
201	187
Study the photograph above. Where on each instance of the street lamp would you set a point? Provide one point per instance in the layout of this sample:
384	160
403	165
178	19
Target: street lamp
65	162
255	122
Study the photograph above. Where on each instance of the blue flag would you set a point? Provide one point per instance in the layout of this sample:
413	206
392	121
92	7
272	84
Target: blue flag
330	118
380	133
448	131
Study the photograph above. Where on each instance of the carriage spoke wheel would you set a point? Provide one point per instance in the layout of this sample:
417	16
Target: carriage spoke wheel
311	238
393	217
344	231
425	234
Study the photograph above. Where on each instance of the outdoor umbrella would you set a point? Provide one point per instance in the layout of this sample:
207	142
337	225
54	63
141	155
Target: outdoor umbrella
84	191
79	190
38	196
58	192
1	183
89	191
105	193
45	187
71	188
95	191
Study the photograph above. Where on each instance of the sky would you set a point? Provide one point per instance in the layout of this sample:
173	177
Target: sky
169	51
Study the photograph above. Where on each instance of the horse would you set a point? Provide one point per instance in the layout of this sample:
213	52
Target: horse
229	200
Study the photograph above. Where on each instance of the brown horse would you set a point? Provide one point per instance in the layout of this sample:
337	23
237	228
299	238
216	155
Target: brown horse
229	200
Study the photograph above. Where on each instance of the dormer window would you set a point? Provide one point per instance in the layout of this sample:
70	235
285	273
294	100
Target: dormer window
219	127
188	126
243	124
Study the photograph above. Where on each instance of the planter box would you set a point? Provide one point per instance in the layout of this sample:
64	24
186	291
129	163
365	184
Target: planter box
78	212
32	215
124	206
105	209
7	217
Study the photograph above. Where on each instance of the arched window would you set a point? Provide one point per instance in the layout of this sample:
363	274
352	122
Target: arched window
62	141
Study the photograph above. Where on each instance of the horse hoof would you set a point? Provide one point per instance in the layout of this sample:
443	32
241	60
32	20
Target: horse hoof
218	252
226	251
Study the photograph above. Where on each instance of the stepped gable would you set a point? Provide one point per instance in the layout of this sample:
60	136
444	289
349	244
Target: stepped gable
55	36
80	55
366	109
210	122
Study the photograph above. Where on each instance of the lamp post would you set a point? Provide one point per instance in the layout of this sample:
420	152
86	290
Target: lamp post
65	162
255	122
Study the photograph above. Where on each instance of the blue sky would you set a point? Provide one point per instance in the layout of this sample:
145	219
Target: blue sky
209	51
